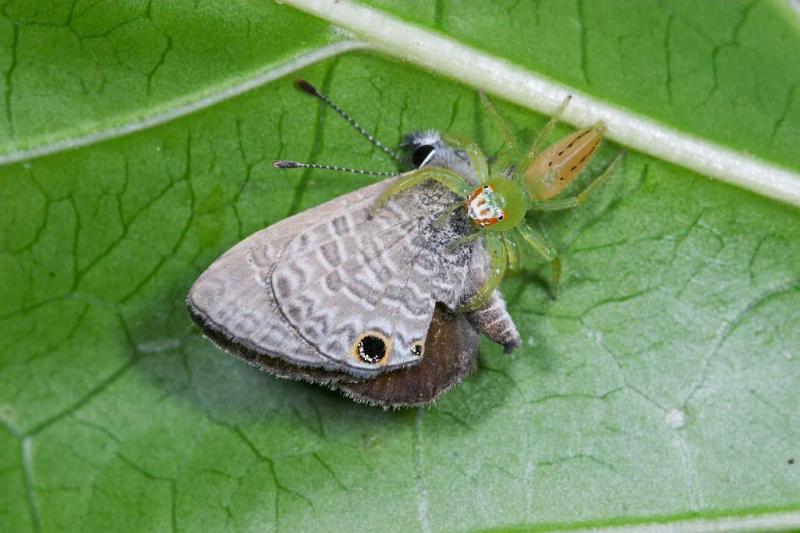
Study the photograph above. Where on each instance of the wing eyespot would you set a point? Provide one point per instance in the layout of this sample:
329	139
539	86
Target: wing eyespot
417	349
372	348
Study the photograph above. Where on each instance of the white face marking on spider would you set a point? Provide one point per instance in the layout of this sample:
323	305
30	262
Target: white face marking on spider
485	207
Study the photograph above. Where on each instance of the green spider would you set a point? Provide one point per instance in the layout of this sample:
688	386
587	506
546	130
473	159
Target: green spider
497	208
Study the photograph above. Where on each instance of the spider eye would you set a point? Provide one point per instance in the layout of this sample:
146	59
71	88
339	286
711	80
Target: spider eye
420	154
487	188
501	216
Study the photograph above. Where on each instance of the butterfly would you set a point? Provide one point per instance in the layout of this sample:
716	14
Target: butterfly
382	293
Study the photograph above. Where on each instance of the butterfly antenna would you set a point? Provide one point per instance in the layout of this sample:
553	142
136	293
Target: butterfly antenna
282	163
310	89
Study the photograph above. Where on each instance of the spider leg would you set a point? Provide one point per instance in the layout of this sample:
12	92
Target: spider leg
475	154
542	245
513	253
506	153
442	218
443	176
463	240
499	260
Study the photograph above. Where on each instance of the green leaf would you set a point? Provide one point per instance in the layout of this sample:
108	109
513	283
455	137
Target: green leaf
79	68
659	387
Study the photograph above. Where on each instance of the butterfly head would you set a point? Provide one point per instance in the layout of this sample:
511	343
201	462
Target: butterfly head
429	149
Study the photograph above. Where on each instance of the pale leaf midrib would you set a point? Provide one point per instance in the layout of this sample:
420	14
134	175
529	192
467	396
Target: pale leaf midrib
474	67
133	122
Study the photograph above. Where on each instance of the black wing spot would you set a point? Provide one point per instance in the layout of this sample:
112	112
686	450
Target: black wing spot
416	350
420	154
371	348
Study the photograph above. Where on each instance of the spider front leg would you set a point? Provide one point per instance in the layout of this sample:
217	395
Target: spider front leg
475	235
444	216
445	177
542	245
499	260
476	157
513	253
506	153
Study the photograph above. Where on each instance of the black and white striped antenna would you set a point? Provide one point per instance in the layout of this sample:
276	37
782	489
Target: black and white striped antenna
310	89
283	163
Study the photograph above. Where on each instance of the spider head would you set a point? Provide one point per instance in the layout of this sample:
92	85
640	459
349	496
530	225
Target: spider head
497	205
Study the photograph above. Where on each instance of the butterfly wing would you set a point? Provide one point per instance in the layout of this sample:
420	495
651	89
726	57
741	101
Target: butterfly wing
233	299
361	288
452	354
266	294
